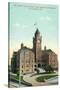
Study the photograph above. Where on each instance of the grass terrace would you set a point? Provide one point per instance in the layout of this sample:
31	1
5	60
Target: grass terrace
45	77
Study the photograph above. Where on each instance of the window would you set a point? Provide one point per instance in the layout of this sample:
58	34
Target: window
22	66
27	70
22	71
35	65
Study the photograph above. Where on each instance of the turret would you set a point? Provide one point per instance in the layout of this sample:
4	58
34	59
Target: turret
22	45
45	48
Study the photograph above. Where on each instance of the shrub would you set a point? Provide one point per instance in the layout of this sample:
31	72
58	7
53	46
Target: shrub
48	68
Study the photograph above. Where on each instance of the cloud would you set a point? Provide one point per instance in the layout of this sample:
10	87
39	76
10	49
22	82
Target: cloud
46	18
16	24
24	26
19	25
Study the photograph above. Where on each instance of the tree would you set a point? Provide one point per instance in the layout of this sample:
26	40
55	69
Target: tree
48	68
14	62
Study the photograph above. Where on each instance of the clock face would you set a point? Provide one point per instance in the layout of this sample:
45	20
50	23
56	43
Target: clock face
38	41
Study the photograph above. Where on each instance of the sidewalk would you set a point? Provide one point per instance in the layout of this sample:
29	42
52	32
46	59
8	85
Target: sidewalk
33	81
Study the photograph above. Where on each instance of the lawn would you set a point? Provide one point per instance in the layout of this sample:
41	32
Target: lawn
45	77
42	73
16	79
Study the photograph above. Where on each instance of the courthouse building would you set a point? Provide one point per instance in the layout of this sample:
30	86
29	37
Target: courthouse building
26	60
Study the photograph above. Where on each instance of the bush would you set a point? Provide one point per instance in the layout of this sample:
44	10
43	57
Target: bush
21	78
48	68
40	79
17	73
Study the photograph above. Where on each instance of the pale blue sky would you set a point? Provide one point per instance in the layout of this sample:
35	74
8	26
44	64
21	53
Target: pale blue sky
22	29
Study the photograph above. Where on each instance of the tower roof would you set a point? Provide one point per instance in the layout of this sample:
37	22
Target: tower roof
37	31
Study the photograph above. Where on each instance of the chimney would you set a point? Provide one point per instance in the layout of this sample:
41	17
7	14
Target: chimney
45	48
22	45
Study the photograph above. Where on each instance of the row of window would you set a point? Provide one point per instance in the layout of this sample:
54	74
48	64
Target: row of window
28	66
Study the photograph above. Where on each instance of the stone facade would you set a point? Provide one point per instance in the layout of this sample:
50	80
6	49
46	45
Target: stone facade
53	60
27	60
49	57
37	39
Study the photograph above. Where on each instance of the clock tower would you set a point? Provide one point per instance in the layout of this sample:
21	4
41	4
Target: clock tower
37	39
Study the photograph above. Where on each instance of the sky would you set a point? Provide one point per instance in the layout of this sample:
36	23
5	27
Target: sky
22	18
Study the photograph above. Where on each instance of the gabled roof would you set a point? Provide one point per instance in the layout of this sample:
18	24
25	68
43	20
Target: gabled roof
25	48
48	51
